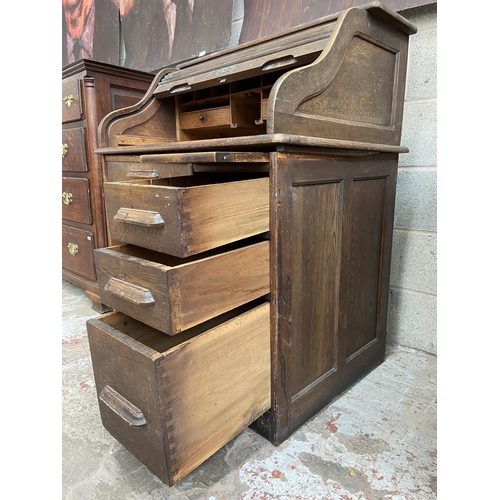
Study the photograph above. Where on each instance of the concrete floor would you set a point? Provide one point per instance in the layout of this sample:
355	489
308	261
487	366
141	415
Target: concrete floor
377	441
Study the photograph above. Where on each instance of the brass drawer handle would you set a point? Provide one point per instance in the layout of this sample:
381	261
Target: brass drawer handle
73	248
68	100
67	198
65	149
122	407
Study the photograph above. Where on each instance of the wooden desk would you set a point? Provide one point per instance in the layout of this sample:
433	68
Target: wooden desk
251	195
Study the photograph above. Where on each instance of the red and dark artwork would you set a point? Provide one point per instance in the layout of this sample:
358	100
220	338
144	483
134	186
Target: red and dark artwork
91	30
158	33
144	34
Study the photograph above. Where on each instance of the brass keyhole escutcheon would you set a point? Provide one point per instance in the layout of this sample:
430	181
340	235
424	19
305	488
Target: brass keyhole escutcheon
67	198
65	149
68	100
73	248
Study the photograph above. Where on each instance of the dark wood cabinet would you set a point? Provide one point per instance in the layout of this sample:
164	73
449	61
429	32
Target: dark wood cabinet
251	187
90	91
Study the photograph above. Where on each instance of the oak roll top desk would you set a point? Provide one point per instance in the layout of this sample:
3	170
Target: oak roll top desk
250	201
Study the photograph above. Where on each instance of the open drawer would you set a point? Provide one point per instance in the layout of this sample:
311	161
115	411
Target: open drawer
184	216
165	165
174	401
173	294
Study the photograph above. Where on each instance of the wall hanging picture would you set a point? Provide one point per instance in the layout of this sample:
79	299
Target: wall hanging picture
146	35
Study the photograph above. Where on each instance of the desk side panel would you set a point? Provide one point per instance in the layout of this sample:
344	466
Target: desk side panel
331	233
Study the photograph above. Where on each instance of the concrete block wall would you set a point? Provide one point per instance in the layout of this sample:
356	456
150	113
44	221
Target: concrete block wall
238	14
413	283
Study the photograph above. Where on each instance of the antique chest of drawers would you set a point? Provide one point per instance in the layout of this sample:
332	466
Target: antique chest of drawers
251	195
90	90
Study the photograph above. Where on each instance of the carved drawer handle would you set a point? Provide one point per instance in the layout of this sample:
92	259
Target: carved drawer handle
68	100
138	217
65	149
279	63
143	174
67	198
73	248
130	292
183	87
122	407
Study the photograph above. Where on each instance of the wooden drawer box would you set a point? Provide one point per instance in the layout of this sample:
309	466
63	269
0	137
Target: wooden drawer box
133	168
174	401
173	294
76	200
186	216
77	248
238	111
162	166
74	158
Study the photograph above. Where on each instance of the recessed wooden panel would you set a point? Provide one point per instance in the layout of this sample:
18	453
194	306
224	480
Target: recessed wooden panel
364	251
123	98
363	87
74	158
315	275
355	90
330	230
160	125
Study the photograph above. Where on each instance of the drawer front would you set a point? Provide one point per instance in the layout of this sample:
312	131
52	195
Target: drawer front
157	166
76	200
74	158
77	252
194	392
127	388
133	169
207	118
183	221
172	294
71	101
